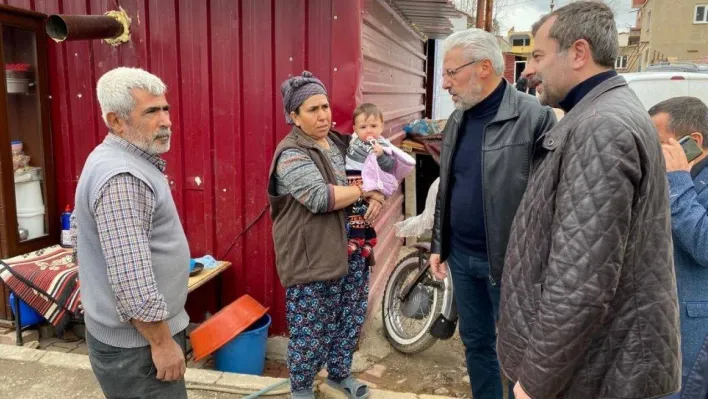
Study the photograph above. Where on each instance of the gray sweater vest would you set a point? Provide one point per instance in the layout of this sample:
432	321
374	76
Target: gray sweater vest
168	246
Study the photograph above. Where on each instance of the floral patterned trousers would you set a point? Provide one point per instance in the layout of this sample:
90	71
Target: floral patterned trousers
325	319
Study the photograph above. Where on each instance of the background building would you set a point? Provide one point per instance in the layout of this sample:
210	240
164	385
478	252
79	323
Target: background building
669	30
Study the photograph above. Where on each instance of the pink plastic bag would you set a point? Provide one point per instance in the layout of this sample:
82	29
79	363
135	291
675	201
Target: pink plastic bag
374	178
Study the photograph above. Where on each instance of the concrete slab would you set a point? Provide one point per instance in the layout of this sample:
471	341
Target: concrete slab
66	360
328	392
361	362
13	352
38	374
81	349
381	394
10	338
377	370
197	376
47	331
47	342
72	344
30	380
31	344
370	384
59	349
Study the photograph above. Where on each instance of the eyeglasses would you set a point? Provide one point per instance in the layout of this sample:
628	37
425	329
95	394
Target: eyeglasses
452	72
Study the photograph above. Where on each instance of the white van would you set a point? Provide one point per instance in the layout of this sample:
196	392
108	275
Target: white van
655	87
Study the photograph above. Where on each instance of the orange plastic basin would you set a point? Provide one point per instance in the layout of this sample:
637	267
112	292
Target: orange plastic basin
224	326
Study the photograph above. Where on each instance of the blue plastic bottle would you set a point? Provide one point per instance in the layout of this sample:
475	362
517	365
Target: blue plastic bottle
66	240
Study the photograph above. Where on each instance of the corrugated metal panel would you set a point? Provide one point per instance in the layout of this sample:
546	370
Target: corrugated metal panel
430	17
223	62
394	80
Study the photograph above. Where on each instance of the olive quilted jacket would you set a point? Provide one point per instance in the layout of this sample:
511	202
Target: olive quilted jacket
589	307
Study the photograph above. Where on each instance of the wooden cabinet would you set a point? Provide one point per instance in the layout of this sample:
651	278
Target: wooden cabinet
29	217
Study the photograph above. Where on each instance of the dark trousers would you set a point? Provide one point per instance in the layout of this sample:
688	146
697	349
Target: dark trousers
125	373
478	306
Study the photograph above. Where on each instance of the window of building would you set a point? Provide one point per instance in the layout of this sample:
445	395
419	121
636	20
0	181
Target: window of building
521	41
621	62
701	14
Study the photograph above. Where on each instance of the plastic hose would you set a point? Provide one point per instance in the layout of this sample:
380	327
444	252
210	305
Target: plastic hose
268	389
238	391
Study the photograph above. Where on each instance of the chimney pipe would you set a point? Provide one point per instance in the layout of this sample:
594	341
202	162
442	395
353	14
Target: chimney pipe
481	12
82	27
489	19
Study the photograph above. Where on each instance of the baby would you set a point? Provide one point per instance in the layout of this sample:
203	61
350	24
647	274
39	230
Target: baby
367	139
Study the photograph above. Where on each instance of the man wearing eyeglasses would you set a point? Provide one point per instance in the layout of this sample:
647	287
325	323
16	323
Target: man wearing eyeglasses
486	157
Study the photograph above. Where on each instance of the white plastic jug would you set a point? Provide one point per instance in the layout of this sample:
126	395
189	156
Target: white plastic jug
32	221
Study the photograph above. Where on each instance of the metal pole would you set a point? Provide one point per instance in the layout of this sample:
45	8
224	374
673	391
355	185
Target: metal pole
18	322
489	20
553	5
481	11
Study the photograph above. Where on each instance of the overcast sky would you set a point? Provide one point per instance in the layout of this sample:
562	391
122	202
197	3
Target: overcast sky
521	14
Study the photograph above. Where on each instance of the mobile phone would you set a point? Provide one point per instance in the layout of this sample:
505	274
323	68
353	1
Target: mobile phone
690	147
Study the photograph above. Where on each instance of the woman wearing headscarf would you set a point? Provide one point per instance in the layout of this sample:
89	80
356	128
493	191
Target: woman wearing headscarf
326	289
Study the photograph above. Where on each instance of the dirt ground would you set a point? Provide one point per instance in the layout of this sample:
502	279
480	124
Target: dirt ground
439	370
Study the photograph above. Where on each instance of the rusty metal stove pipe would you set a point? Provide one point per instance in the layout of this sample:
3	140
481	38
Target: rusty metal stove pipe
481	13
489	18
82	27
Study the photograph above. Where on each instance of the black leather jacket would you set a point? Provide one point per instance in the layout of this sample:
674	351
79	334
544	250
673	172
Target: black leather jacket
507	152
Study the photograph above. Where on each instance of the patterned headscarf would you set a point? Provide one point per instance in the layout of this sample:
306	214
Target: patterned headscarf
297	89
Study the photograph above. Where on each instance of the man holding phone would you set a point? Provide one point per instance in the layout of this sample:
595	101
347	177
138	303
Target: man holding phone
682	124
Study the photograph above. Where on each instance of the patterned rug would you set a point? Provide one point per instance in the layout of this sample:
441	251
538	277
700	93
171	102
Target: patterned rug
47	280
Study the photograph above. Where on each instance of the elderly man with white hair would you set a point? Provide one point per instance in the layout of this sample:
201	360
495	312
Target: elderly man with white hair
132	252
486	157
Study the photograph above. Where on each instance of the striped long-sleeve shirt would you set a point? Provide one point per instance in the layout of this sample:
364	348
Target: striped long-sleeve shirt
297	174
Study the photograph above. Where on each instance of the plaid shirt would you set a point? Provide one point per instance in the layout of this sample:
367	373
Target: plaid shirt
123	213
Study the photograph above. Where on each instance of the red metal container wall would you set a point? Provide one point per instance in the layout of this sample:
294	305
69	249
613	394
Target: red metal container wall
394	79
223	62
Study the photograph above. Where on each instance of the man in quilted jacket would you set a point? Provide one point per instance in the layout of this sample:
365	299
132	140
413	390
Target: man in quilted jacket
588	305
676	118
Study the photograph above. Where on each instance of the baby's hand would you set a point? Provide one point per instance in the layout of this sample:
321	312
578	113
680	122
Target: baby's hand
378	150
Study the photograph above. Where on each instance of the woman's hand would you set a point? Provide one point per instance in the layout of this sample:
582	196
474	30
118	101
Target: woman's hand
372	212
376	200
375	195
